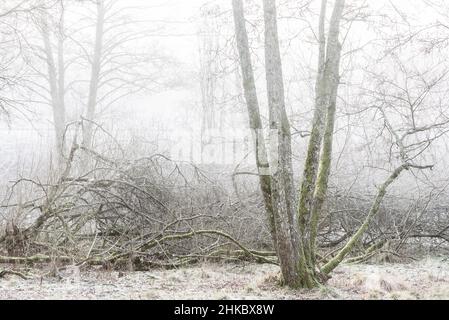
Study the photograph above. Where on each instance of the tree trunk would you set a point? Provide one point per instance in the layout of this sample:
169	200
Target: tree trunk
56	90
288	244
317	165
255	122
332	78
313	149
294	239
95	76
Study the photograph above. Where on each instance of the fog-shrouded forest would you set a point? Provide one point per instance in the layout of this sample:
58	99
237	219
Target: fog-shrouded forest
224	149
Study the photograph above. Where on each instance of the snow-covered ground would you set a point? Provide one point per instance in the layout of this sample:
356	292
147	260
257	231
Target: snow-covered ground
426	279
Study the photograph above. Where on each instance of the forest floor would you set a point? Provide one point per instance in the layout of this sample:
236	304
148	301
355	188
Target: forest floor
425	279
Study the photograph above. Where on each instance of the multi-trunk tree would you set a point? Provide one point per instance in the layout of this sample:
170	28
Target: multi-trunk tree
294	223
294	218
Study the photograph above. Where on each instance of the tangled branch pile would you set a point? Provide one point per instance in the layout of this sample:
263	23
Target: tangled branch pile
156	212
151	211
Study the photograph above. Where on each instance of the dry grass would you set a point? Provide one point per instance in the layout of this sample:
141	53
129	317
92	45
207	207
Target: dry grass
427	279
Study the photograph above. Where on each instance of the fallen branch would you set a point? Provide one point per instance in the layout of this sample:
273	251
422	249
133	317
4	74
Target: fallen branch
34	259
154	242
3	273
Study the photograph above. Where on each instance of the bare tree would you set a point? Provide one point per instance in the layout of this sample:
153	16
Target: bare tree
65	47
116	71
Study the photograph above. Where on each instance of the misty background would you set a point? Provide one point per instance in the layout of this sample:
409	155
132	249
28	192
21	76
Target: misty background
179	39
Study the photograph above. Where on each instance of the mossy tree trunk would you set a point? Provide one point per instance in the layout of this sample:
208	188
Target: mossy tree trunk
316	133
314	145
319	153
